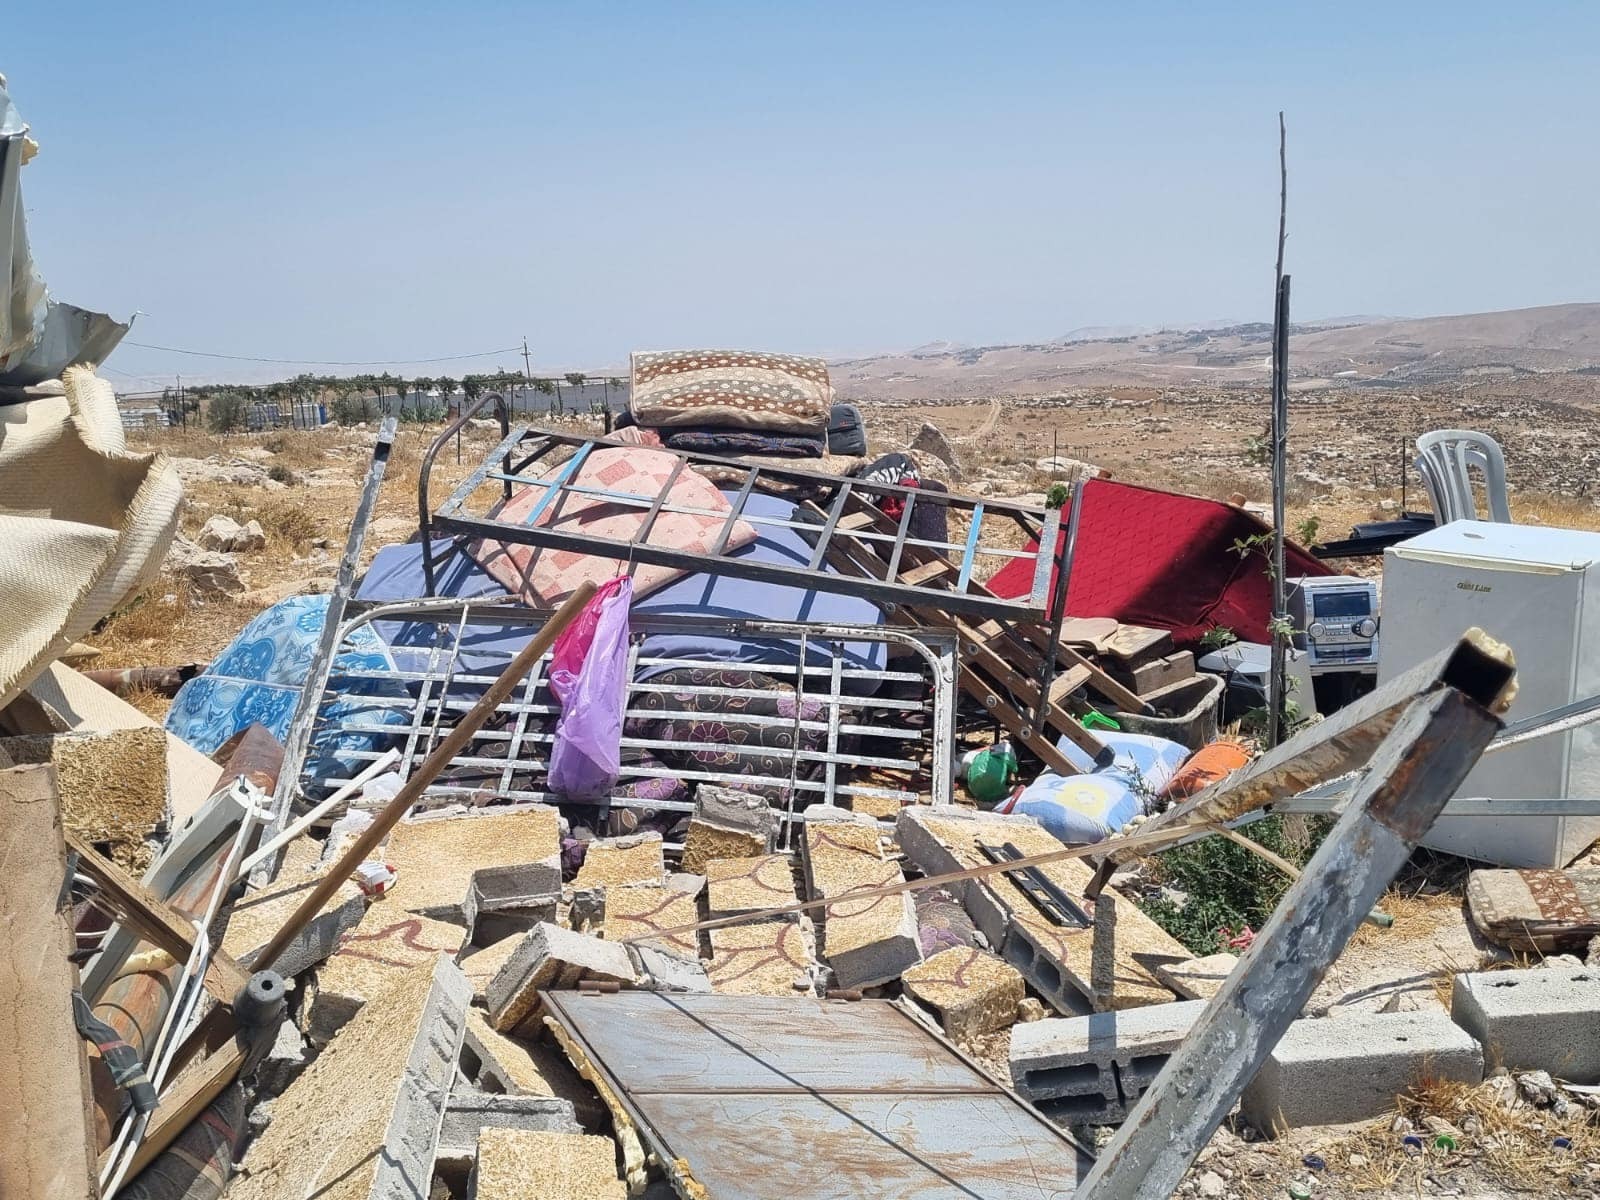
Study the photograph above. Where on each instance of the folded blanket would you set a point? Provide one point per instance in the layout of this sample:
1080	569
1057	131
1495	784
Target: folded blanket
774	393
1547	911
744	441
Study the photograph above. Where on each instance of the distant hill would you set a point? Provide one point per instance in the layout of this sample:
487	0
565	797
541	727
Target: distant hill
1353	351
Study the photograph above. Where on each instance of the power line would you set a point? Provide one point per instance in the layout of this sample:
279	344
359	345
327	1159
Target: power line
326	362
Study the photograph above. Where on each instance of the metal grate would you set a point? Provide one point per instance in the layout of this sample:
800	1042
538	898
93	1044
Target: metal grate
833	729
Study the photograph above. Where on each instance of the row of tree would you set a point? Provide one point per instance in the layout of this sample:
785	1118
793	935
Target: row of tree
354	398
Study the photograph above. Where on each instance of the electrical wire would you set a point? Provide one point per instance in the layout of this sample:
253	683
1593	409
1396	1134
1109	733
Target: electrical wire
324	362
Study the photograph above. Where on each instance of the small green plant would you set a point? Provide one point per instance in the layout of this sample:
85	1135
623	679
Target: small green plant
280	474
1306	532
1217	637
1057	496
228	412
1256	451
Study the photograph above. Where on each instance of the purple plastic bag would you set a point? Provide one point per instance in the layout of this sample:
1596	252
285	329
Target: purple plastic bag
588	752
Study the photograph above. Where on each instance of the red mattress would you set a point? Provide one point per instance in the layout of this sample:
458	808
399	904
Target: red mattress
1148	557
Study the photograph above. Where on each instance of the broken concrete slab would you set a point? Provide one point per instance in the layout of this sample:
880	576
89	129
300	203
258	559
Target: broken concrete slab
689	885
643	911
452	868
283	1063
762	958
1092	1069
480	964
516	1163
112	784
257	916
1056	959
362	1121
1534	1020
388	942
972	991
742	885
495	1063
470	1113
1334	1070
549	956
616	862
867	941
1197	978
661	971
727	823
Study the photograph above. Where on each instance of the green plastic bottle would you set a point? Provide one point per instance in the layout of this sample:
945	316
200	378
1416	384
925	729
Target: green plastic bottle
989	773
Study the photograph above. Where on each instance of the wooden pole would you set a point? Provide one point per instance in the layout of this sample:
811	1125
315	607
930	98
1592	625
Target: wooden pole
424	775
1277	685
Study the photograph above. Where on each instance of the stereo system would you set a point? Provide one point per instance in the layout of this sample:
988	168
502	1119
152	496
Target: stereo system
1336	621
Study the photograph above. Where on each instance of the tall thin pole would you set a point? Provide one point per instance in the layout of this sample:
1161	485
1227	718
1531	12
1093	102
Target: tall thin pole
1280	453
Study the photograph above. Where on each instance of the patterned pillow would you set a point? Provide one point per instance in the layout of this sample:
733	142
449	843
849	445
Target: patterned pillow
546	575
777	393
1548	911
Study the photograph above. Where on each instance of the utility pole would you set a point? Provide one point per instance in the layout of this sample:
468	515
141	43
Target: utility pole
183	409
527	368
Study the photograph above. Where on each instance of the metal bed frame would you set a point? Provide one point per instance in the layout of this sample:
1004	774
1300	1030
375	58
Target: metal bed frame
434	690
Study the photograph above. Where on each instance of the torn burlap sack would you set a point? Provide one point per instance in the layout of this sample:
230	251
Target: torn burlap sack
83	523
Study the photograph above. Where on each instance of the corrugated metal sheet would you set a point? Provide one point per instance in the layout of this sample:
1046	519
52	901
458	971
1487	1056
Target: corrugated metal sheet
762	1097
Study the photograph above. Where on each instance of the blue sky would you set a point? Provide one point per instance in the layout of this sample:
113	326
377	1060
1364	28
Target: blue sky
376	181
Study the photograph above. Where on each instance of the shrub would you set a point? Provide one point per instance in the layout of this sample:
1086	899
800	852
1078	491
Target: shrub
227	413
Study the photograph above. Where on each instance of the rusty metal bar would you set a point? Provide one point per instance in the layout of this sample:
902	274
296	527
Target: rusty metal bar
1418	766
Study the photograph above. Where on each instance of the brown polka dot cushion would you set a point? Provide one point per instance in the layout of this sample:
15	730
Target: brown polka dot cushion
546	575
776	393
1543	910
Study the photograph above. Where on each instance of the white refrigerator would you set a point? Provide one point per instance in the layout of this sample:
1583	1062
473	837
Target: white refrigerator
1537	590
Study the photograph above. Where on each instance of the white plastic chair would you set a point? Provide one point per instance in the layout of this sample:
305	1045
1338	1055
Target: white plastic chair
1445	459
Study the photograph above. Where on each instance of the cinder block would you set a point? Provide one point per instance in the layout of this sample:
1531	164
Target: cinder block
762	958
362	1121
867	941
727	823
664	972
972	991
495	1063
513	1164
470	1112
480	964
646	911
257	916
617	862
1333	1070
1093	1069
1056	959
454	867
386	943
1541	1019
547	957
744	885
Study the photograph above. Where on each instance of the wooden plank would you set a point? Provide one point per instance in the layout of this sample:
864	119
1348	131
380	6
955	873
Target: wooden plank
184	1100
158	921
47	1136
928	572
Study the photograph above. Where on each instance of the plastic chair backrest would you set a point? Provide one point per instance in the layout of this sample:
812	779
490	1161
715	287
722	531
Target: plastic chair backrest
1445	459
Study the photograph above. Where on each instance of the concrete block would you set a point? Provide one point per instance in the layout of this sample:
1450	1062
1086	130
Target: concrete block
868	941
615	862
1534	1020
742	885
640	912
362	1121
480	964
689	885
257	916
762	958
451	867
470	1112
665	972
497	1064
1057	960
1093	1069
1197	978
1333	1070
727	823
513	1164
112	785
387	942
527	892
587	912
547	957
284	1061
972	991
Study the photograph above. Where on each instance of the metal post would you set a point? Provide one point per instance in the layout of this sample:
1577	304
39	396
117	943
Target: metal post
1415	771
1280	484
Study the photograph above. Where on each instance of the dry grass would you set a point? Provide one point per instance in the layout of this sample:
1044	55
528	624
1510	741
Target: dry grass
1511	1147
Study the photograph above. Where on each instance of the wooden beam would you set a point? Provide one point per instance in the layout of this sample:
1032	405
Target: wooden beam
47	1136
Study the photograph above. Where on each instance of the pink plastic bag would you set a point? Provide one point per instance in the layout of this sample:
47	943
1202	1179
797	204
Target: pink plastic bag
589	676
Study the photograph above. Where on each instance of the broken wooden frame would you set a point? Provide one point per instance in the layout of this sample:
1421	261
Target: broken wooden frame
527	452
446	662
1423	756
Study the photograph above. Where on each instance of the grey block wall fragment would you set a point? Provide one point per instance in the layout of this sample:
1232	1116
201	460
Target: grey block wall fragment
1540	1019
470	1111
550	957
1092	1069
663	972
1334	1070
